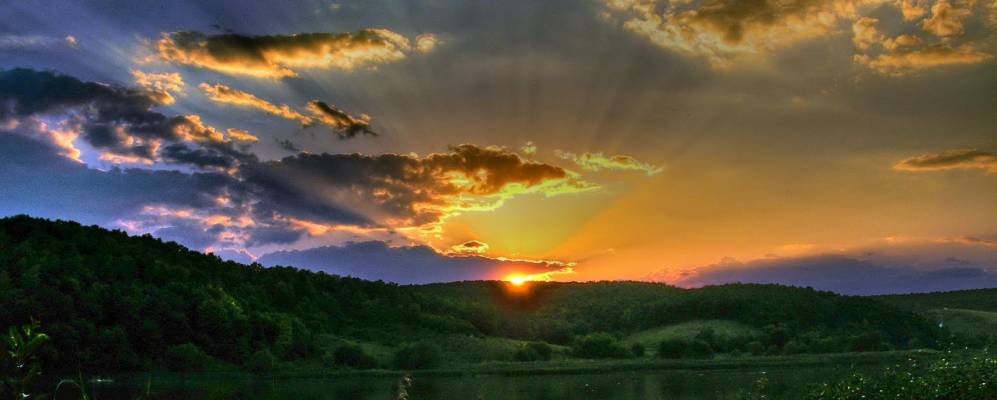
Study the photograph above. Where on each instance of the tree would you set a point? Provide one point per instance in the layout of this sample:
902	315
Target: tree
683	348
598	345
353	356
186	357
419	355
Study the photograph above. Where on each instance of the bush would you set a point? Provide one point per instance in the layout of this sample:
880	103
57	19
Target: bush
261	362
756	348
599	345
960	377
535	351
637	349
417	356
680	348
186	357
353	356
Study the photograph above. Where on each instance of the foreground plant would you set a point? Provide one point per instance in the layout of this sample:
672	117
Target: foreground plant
953	377
19	363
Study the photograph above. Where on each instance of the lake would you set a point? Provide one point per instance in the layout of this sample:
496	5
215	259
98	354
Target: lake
645	384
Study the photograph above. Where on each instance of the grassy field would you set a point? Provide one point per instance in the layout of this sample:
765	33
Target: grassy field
688	330
970	322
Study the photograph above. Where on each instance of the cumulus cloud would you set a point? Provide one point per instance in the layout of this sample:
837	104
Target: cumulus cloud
116	121
913	9
908	53
948	160
947	18
161	85
729	32
599	161
866	33
723	31
281	56
401	190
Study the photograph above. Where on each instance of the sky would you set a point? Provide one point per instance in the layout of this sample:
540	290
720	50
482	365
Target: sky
848	145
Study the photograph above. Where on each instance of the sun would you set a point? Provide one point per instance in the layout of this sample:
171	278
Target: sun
517	280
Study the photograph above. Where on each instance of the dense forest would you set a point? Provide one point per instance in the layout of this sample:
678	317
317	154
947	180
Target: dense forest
113	302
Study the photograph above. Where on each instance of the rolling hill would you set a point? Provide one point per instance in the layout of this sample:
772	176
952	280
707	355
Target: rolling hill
114	302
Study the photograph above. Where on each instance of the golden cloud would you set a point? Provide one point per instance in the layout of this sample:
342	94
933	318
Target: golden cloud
426	42
912	9
865	33
948	160
946	18
599	161
240	135
905	61
226	95
729	32
280	56
321	112
723	31
160	85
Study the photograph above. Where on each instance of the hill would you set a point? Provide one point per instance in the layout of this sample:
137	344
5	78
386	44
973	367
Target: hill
114	302
977	299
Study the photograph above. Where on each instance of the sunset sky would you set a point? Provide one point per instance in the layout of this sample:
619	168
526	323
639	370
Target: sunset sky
844	144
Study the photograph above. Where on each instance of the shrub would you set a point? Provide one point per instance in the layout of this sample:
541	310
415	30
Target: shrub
353	356
680	348
756	348
417	356
186	357
535	351
261	362
599	345
959	377
637	349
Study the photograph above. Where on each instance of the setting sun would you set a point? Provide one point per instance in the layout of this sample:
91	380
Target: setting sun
517	280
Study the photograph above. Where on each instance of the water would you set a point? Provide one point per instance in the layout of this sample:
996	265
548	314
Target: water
641	385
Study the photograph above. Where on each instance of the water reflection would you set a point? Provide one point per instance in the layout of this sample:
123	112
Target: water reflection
673	385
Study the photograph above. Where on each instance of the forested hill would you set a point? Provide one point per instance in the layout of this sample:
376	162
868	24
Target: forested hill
110	301
977	299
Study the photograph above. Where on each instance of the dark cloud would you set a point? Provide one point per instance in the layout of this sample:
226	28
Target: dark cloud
39	182
950	159
405	264
117	121
846	275
279	56
393	189
288	145
348	125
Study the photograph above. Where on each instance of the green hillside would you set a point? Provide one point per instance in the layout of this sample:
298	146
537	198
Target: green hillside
979	299
724	331
111	302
